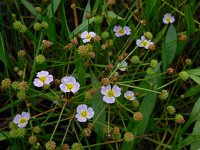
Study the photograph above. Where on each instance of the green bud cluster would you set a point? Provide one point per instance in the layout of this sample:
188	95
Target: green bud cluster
164	95
183	75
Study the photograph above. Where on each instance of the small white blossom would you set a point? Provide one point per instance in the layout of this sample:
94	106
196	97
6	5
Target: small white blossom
122	66
168	18
119	31
22	120
110	93
84	113
43	77
143	42
86	36
69	84
129	95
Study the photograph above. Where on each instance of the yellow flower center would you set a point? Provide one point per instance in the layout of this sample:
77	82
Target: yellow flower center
110	93
42	79
168	19
144	43
88	36
129	97
84	113
121	31
22	120
121	66
69	86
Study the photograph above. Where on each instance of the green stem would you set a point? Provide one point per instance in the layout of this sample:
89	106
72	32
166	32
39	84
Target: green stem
57	122
136	87
124	107
168	83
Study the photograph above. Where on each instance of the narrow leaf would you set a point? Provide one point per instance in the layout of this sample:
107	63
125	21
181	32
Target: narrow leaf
195	78
52	8
194	71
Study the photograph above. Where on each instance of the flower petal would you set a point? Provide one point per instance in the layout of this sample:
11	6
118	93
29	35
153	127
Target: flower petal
108	100
26	115
86	40
81	108
90	113
16	119
22	125
104	89
92	34
38	83
117	90
49	79
83	35
42	73
76	87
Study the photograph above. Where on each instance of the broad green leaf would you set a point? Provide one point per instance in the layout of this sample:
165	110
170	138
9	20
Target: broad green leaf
30	8
196	145
169	47
195	78
52	8
150	4
194	71
146	108
188	140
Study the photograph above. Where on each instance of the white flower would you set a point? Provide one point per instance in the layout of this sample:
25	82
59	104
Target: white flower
43	78
129	95
69	84
22	120
84	113
119	31
110	94
86	36
168	18
143	42
122	66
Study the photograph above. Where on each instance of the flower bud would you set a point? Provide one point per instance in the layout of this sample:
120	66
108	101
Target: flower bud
152	47
153	63
36	129
40	59
105	81
128	137
136	104
164	95
32	139
170	71
148	35
135	59
109	66
21	53
182	37
6	83
92	55
88	15
111	2
65	147
143	22
183	75
171	109
16	69
17	25
50	145
150	71
96	38
38	9
76	146
23	85
188	62
44	24
23	29
137	116
105	35
86	132
47	44
116	130
179	119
